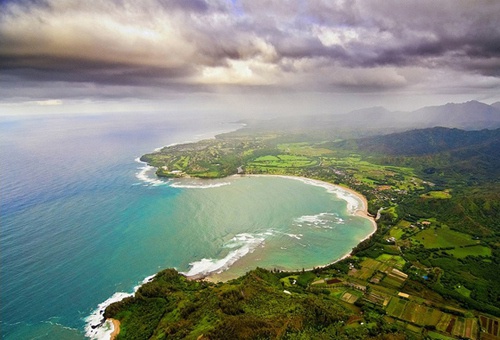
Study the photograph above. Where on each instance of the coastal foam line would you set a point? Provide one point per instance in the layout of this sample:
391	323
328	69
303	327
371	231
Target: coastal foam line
97	327
194	185
142	174
355	201
322	220
245	243
357	205
146	173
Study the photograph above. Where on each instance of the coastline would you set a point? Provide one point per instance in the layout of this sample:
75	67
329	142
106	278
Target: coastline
116	329
359	211
362	212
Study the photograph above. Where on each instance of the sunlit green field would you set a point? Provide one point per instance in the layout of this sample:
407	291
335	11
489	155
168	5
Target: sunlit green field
443	237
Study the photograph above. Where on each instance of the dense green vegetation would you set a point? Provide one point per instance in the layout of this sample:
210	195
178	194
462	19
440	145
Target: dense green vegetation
254	306
437	196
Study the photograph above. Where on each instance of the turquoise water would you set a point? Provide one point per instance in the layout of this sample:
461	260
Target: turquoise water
82	220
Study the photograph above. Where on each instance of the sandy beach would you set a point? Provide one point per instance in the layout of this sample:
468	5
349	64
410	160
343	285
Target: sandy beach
362	212
116	329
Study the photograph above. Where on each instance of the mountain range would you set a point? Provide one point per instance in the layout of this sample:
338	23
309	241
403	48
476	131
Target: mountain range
471	115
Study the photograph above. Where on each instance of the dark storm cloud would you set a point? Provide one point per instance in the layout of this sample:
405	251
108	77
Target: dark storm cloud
286	44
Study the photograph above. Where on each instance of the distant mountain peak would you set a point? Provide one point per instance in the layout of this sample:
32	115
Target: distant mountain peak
496	105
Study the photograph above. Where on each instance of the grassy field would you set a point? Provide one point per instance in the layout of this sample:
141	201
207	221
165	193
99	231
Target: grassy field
396	307
443	237
283	161
396	233
392	260
475	250
445	194
304	149
368	267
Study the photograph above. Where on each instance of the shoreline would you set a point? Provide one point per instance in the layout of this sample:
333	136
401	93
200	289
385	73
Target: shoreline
116	329
362	212
359	211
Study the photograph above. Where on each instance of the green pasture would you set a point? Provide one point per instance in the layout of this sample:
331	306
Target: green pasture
304	149
392	260
287	281
207	174
476	250
403	224
437	194
443	237
396	233
283	161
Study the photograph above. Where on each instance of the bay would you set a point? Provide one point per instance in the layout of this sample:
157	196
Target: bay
82	220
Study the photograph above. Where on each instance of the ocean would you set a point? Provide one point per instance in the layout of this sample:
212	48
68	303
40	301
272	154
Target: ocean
83	221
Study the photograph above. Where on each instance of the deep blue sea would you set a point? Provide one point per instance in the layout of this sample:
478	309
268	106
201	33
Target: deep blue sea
82	219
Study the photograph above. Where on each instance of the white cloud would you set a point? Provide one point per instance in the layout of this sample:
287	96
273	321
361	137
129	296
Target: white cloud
49	102
330	36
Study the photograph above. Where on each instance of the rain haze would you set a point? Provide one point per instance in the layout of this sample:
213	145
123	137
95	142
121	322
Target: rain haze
246	58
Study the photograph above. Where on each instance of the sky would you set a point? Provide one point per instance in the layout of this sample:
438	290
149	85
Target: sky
255	57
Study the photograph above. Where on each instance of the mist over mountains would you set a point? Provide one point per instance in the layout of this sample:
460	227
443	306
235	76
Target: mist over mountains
471	115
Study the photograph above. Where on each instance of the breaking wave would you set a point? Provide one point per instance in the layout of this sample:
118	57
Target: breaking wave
97	327
323	220
243	244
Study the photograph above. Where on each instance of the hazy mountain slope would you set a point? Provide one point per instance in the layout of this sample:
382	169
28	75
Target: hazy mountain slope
452	153
432	140
496	105
471	115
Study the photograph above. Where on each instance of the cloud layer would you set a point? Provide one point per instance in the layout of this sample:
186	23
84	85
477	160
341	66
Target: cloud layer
114	47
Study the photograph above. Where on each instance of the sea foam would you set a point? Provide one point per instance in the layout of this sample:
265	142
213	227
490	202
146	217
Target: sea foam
353	202
244	243
97	327
195	185
322	220
144	174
